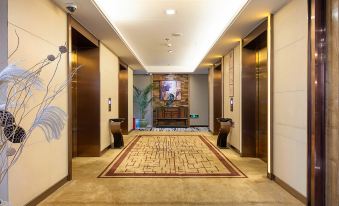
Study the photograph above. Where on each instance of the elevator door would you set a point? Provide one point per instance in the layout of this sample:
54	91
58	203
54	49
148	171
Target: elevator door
261	103
85	97
255	98
123	98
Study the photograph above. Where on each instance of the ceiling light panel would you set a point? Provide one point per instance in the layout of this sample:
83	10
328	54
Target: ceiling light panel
142	25
170	11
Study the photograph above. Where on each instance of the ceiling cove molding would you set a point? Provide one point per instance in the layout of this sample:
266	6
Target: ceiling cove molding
116	30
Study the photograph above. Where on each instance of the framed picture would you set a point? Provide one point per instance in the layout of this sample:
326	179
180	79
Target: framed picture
170	89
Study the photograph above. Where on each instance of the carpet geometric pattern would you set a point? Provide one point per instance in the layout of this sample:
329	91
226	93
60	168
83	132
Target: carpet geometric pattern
171	156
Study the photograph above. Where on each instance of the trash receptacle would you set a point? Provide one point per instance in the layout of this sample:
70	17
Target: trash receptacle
225	128
118	140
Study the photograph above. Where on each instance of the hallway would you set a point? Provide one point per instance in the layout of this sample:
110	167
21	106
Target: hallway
87	189
171	102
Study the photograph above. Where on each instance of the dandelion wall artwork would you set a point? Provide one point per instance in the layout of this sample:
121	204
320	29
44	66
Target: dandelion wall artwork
18	86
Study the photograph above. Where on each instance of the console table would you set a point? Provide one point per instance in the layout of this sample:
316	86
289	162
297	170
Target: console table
171	117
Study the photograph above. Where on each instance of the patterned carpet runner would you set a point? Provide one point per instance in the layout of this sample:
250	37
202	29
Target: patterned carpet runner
171	156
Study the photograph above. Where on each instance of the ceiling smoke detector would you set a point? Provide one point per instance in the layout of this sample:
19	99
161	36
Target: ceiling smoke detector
177	34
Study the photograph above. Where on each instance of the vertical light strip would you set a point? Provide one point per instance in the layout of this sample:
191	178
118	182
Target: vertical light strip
240	94
269	52
222	88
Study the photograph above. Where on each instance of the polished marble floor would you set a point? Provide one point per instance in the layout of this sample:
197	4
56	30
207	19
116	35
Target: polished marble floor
87	189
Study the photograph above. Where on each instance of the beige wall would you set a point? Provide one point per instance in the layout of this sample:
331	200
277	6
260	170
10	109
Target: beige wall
210	102
42	164
290	95
198	98
109	69
130	99
234	136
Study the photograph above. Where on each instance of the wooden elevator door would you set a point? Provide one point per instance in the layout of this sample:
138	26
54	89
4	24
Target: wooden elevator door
123	98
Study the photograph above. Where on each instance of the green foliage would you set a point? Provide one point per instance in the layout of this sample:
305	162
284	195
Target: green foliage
143	99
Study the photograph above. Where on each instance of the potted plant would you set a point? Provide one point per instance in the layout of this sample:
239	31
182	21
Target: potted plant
142	98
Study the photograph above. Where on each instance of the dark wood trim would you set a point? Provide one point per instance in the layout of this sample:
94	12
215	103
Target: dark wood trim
81	29
217	97
69	94
47	192
270	46
317	66
123	97
262	27
289	189
256	40
105	150
234	149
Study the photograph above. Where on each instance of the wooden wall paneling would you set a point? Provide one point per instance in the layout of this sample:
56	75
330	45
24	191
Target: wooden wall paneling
248	103
332	104
262	102
217	97
123	97
156	78
88	103
317	68
84	51
255	93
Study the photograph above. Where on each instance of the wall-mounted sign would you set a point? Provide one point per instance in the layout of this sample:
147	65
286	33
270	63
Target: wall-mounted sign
109	104
231	104
194	116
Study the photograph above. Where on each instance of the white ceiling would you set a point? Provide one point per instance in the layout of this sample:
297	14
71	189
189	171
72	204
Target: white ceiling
135	30
144	26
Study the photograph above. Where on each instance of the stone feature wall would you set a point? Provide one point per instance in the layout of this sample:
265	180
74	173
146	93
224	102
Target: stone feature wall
332	106
157	78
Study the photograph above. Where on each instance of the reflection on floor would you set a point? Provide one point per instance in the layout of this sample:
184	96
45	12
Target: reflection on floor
87	189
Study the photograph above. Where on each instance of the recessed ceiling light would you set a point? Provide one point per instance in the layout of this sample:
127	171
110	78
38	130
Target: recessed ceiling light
177	34
170	51
170	11
169	45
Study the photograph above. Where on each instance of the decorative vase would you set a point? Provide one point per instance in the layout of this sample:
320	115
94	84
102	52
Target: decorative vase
4	203
141	123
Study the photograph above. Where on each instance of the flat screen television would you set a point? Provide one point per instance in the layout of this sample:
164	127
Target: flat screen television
170	89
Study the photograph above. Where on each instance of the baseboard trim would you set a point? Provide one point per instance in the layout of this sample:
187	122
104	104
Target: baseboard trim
105	150
48	192
289	189
234	149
